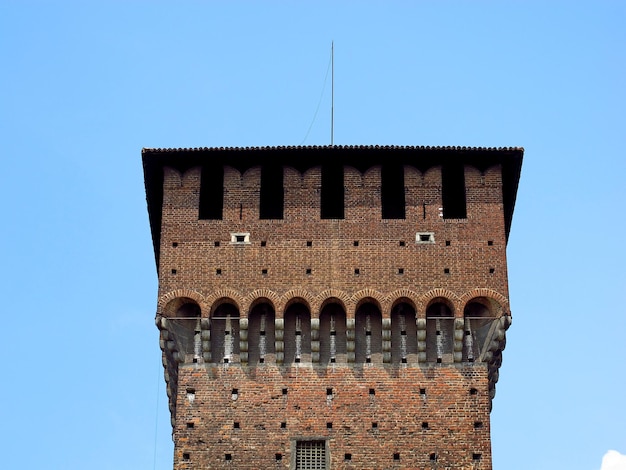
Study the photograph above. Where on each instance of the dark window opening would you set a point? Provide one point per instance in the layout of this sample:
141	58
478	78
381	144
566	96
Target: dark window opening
283	425
272	198
476	456
329	425
473	391
433	457
236	425
392	192
355	243
175	244
357	271
396	456
218	271
347	457
374	425
186	456
211	192
284	391
228	456
372	391
190	425
453	192
279	457
402	243
308	271
309	243
490	243
424	425
332	194
263	243
447	242
478	424
329	391
216	243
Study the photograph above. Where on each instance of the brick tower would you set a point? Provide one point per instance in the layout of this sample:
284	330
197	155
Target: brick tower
331	307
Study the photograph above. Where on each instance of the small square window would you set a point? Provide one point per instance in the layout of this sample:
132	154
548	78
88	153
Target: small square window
186	457
283	425
374	425
355	243
228	457
263	271
309	271
357	271
173	271
402	243
175	244
218	272
236	425
309	243
216	243
446	270
490	243
263	243
279	457
447	242
396	456
347	457
400	270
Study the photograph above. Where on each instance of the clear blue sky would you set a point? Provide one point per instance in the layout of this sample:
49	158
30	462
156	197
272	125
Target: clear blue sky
86	84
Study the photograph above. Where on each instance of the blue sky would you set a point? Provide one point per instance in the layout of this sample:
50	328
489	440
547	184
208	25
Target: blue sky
85	85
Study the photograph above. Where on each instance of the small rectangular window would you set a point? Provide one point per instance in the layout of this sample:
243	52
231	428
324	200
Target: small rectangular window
272	194
311	455
453	192
332	193
392	192
211	192
425	237
240	238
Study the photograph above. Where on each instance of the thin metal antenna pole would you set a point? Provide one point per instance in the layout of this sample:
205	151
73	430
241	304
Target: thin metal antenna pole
332	93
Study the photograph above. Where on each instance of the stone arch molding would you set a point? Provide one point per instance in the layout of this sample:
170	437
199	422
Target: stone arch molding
216	298
165	299
488	293
427	297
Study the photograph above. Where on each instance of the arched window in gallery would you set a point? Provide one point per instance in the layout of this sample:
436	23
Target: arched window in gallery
368	334
439	331
261	334
403	334
297	333
225	334
479	323
332	334
184	324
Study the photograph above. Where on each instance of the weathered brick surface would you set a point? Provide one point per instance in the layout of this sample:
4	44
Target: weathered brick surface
304	259
397	407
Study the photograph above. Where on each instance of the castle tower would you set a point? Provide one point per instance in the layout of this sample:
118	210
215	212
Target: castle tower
331	307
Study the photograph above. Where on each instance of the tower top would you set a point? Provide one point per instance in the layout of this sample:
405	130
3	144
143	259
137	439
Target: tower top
302	158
